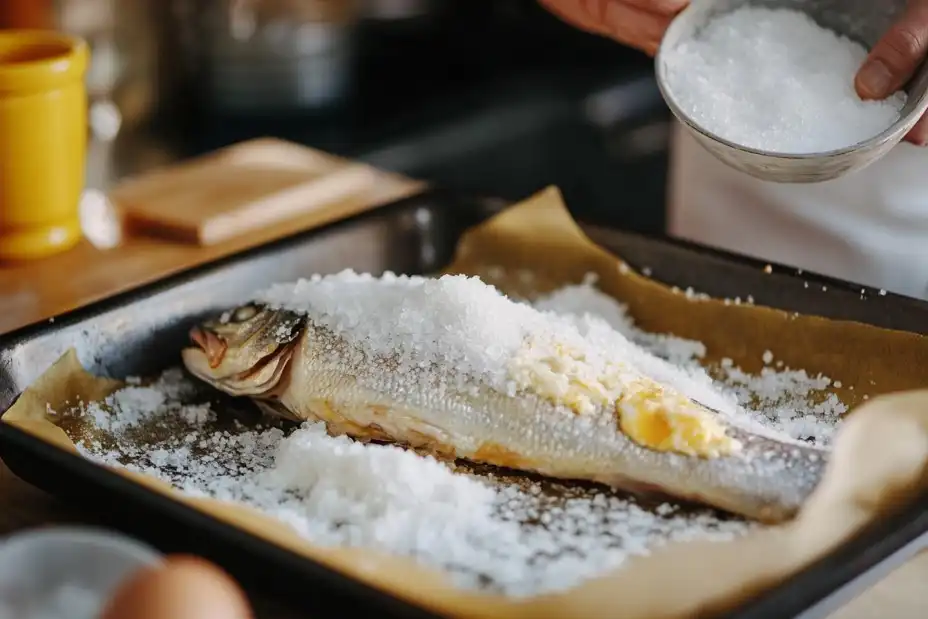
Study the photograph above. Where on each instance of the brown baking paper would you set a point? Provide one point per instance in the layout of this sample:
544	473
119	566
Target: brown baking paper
879	461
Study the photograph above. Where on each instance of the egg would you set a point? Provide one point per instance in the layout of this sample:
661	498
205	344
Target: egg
181	588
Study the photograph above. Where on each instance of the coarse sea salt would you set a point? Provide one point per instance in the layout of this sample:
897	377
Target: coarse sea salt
509	533
454	320
135	404
461	322
774	80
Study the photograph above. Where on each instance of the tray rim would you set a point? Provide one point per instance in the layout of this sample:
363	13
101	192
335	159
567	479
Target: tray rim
856	560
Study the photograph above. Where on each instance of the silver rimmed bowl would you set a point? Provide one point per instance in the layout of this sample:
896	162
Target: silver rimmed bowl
864	21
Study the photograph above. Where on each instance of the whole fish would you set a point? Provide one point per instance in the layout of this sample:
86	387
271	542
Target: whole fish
294	368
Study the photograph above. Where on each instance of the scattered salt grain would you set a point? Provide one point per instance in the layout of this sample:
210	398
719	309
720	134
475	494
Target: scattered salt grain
695	295
136	404
126	408
773	79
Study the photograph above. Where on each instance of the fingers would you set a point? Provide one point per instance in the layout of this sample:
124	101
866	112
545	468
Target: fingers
636	27
919	133
182	588
894	60
898	54
660	7
572	12
638	23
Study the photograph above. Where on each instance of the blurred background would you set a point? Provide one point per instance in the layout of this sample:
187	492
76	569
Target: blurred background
494	97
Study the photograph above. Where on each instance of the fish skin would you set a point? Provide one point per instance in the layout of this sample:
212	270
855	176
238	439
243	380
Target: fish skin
766	480
372	398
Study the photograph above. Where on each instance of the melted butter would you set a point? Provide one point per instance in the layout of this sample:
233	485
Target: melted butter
653	417
663	421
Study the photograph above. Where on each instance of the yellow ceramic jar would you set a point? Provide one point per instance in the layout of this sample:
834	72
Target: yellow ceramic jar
43	142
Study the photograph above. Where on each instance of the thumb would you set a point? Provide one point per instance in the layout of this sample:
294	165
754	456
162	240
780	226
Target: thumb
897	55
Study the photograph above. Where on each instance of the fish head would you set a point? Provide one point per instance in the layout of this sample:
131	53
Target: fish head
245	351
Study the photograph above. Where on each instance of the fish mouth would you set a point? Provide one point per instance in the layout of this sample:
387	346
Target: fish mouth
213	346
258	379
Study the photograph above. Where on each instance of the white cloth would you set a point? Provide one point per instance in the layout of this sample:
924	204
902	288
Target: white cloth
870	227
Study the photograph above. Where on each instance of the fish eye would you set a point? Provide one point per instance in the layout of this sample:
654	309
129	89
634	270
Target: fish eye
246	312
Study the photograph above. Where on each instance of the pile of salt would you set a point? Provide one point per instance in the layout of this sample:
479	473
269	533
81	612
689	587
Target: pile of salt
774	80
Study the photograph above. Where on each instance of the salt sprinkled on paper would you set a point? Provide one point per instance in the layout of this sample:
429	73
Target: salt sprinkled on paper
136	404
784	401
774	80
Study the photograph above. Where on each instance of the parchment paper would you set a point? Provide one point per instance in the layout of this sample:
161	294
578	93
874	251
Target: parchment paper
880	458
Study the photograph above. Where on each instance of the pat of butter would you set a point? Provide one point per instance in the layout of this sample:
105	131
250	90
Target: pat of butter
651	416
665	421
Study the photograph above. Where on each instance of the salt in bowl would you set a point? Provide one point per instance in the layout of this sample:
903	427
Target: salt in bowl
864	21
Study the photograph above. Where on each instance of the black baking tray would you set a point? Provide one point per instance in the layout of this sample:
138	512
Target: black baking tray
140	331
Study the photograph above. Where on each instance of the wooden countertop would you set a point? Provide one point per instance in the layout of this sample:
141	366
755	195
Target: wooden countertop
36	291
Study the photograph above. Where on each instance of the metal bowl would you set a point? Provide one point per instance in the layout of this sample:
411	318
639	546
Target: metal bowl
864	21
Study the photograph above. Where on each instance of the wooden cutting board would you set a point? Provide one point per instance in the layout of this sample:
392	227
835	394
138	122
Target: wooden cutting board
241	189
178	216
